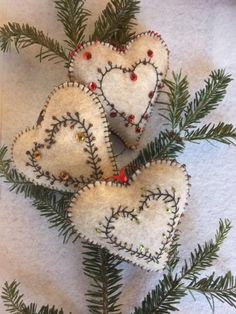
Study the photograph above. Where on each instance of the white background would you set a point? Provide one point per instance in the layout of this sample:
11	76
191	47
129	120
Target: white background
201	36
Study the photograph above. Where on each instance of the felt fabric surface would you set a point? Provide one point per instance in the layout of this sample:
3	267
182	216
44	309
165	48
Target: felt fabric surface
137	220
72	123
201	36
126	81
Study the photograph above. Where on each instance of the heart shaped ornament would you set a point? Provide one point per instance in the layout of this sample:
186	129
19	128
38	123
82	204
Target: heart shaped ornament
127	81
135	221
69	146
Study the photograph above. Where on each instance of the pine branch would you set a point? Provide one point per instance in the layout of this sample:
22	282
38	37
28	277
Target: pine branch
168	293
24	36
50	310
222	288
204	256
55	212
13	301
178	96
116	22
164	298
167	145
224	133
207	99
101	268
73	16
182	116
173	254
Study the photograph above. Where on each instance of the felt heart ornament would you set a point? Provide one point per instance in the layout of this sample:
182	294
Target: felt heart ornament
69	146
136	220
127	81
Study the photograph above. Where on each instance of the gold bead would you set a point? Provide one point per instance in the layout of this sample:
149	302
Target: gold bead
98	231
80	137
37	155
64	176
173	189
141	248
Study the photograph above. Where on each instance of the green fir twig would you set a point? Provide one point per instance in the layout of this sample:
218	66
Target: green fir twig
222	288
183	116
24	36
74	17
15	304
105	276
116	22
165	297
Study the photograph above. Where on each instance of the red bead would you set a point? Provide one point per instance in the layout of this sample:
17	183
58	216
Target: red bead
151	94
160	86
131	118
92	86
72	53
113	114
87	55
133	77
150	53
138	130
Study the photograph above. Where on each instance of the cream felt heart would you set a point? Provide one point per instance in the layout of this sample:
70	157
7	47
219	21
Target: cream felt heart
69	147
135	221
126	81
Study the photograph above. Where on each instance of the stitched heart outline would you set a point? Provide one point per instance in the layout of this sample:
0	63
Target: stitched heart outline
62	151
135	221
93	58
107	226
125	118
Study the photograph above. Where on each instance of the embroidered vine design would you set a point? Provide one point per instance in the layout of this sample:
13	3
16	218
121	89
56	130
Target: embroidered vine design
109	226
71	120
101	94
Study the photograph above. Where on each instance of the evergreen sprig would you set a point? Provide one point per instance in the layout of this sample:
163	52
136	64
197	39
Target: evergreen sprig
15	304
167	145
183	115
222	132
25	35
222	288
172	288
73	16
204	255
57	215
51	204
102	269
178	97
164	298
206	99
116	22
